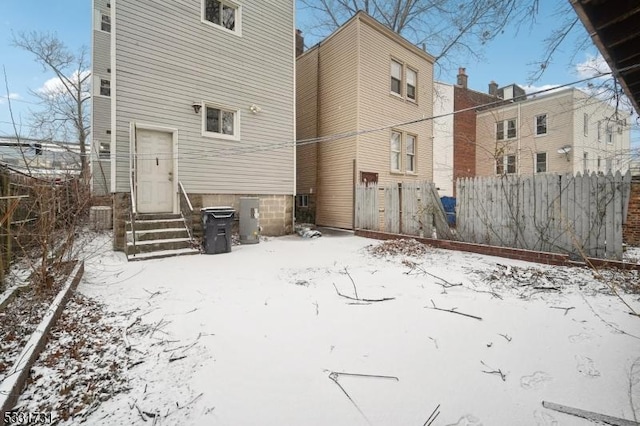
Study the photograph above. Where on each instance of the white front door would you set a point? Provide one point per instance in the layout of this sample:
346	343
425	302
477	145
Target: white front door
154	170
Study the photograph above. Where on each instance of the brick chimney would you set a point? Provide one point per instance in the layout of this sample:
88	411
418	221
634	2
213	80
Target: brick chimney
493	88
462	78
299	43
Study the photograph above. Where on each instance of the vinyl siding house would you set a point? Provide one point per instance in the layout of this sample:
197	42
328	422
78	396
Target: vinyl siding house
100	148
563	132
361	77
201	99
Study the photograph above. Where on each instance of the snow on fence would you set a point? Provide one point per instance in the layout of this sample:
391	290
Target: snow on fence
410	208
546	212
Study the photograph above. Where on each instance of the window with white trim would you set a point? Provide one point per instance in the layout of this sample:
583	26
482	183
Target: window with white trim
599	131
609	133
412	81
541	124
506	163
510	125
396	77
104	150
599	161
220	122
396	151
585	124
585	162
609	164
302	200
410	152
105	22
105	87
541	162
222	13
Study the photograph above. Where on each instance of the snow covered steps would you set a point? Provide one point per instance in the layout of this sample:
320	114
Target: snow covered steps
153	236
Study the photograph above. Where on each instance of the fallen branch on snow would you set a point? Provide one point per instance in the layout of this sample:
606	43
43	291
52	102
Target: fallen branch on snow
589	415
453	311
494	371
361	300
431	417
566	310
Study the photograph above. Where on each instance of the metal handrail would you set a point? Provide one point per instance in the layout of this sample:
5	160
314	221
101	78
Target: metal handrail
188	221
133	212
186	196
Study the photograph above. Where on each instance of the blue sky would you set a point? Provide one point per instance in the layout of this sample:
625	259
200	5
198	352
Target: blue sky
507	59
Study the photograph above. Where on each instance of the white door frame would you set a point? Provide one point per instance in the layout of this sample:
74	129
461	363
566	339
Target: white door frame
174	140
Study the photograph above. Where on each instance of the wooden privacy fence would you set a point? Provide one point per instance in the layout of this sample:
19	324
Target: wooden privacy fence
410	208
546	212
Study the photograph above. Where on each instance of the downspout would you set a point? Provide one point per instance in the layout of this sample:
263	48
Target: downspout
317	134
519	155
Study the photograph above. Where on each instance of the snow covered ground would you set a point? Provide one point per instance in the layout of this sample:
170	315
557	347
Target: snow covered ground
256	336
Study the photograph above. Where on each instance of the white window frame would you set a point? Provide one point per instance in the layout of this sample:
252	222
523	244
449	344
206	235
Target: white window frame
502	165
585	162
585	124
608	133
409	70
546	124
97	86
238	18
236	121
104	154
505	129
599	131
99	13
393	152
411	156
302	200
392	77
546	162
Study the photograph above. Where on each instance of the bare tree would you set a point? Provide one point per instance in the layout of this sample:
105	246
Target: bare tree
446	27
65	109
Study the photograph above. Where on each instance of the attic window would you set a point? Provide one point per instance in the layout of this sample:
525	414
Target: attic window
105	87
222	13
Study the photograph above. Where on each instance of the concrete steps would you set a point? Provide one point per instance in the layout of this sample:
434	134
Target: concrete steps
153	236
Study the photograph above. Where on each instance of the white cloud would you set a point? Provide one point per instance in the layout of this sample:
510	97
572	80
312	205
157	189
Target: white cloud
592	66
54	85
3	98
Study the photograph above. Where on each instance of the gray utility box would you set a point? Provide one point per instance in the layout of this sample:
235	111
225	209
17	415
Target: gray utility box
216	229
249	220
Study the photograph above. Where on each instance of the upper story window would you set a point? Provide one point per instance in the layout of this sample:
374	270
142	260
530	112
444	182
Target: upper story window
412	78
541	162
541	124
222	13
599	126
511	129
585	124
105	22
609	133
396	78
220	122
105	87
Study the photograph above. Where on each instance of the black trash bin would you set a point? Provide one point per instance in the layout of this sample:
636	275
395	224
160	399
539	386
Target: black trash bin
216	229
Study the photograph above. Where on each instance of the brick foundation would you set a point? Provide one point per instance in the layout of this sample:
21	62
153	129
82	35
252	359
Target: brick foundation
631	230
510	253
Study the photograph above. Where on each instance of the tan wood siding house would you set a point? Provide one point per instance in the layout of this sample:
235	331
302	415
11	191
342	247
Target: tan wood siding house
344	90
